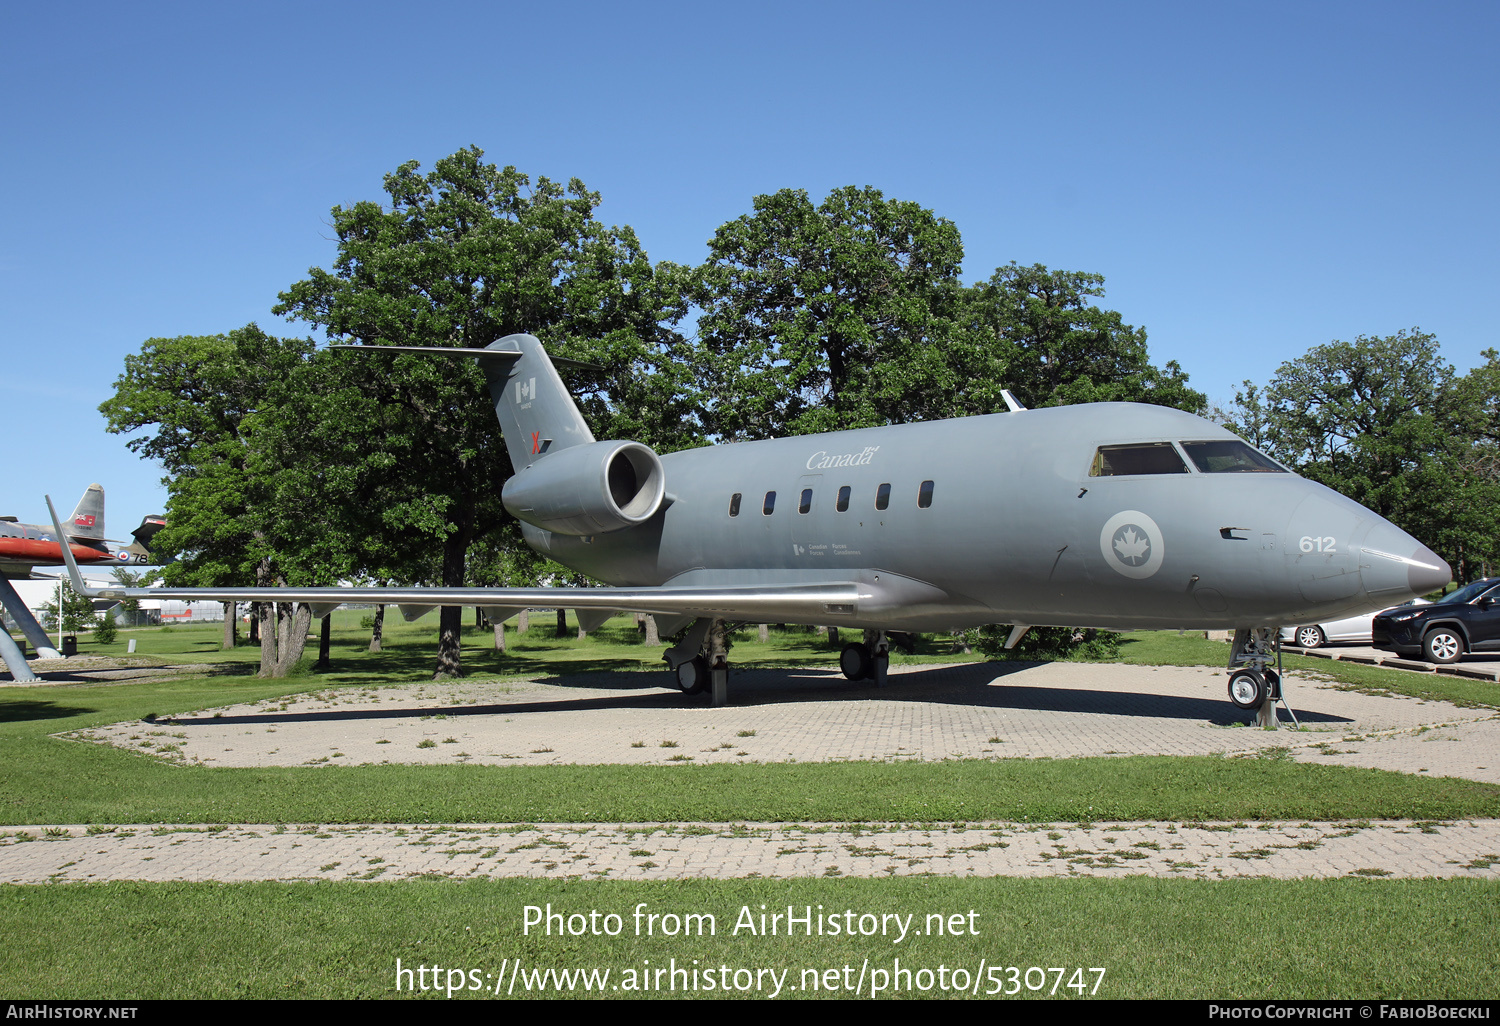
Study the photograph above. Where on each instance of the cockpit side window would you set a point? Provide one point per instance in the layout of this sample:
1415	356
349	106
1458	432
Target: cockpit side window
1230	456
1143	458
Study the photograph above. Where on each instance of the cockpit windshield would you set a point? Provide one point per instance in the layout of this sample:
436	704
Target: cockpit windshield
1230	456
1145	458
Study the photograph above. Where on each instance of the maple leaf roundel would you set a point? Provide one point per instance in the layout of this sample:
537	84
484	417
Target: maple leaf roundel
1132	544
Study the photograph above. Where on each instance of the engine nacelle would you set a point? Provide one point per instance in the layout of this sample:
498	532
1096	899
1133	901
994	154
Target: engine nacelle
588	489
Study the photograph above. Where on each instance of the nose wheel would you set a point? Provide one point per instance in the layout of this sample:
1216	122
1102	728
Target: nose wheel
1253	685
1247	689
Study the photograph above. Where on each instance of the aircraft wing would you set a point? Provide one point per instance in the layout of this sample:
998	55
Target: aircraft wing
832	602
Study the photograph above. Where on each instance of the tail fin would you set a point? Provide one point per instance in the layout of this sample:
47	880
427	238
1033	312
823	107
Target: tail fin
87	521
537	414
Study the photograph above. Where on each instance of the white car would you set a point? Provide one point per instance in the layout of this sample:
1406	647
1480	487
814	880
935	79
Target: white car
1351	629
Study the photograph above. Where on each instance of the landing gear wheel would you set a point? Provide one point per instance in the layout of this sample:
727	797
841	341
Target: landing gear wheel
856	662
1443	645
1273	685
1311	637
692	676
1247	689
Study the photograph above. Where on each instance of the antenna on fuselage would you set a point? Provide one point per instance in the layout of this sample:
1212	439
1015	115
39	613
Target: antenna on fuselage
1011	401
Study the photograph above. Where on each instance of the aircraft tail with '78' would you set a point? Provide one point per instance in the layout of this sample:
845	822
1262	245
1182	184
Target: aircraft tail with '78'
1105	515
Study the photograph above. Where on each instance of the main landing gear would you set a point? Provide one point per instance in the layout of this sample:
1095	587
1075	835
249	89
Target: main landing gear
700	661
867	660
1253	685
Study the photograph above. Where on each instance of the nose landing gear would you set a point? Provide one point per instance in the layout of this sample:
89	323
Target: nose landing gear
1252	684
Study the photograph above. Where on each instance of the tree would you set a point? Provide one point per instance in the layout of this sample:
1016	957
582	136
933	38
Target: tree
463	256
1033	331
212	403
77	612
827	317
1385	421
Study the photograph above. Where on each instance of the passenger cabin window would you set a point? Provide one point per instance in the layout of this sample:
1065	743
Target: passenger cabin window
1230	457
924	495
770	503
883	496
1146	458
734	504
843	503
805	503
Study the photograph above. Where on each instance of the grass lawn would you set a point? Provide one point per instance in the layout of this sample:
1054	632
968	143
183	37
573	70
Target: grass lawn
1154	938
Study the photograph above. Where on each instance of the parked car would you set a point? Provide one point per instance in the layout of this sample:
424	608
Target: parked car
1468	620
1352	629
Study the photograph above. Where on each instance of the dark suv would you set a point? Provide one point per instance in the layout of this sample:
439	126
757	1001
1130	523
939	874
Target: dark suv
1466	621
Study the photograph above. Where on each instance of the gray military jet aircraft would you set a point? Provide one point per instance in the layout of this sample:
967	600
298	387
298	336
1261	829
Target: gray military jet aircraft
1107	515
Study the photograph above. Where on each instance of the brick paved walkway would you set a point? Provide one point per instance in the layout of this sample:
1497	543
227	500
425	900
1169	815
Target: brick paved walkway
680	851
969	710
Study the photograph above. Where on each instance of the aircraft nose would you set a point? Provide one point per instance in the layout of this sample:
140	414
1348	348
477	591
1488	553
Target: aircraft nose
1395	566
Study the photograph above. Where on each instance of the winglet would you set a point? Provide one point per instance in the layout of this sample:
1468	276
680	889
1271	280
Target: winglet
67	550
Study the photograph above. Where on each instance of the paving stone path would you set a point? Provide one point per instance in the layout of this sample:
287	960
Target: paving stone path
688	850
971	710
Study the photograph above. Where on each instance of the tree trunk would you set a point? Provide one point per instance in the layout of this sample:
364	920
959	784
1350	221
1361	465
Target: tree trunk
323	643
231	625
765	633
450	630
652	636
267	621
833	637
500	637
293	640
378	629
562	623
254	623
523	622
450	643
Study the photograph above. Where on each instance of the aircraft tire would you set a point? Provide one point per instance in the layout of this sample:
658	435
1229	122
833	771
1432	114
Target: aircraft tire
1443	645
1311	636
856	662
692	676
1247	689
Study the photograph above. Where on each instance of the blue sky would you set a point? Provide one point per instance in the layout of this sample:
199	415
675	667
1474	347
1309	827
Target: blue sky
1251	179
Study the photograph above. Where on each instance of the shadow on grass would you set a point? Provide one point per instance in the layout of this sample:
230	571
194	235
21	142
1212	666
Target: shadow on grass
23	710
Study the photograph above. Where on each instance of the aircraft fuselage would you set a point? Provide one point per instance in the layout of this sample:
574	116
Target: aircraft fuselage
1007	518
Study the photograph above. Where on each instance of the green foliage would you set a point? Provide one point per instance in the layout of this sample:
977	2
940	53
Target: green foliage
851	314
105	630
463	256
1046	643
209	402
827	317
1385	421
1058	349
77	612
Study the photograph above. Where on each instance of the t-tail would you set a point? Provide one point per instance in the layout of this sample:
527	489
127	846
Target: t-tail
565	481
